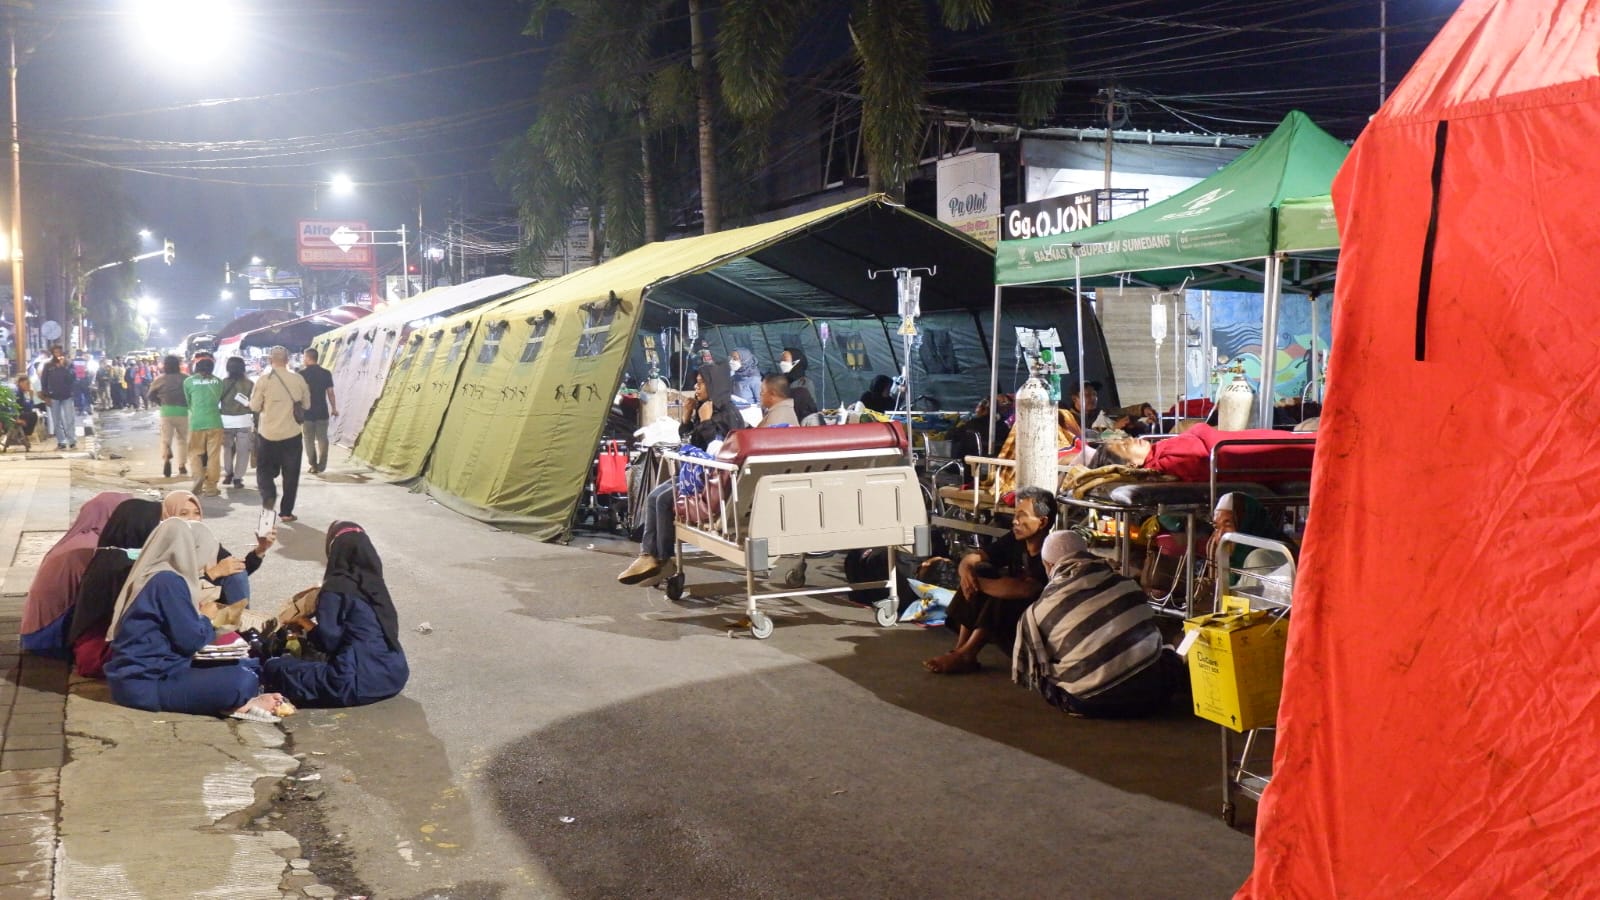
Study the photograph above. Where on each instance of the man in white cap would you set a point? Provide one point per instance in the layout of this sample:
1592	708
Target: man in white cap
282	399
1090	643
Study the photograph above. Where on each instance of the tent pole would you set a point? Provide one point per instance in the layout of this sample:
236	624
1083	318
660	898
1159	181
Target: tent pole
1311	371
1083	389
1272	293
994	371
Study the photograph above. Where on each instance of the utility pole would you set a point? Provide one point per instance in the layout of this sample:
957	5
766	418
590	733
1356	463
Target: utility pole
1111	118
19	303
1383	51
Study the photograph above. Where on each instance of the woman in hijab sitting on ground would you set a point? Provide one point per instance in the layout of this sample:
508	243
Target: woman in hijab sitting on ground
355	626
47	613
120	544
710	418
230	573
158	626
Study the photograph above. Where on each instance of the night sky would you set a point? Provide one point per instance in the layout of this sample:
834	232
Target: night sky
377	89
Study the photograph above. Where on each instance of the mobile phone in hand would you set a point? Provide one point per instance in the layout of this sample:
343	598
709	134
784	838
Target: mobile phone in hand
268	522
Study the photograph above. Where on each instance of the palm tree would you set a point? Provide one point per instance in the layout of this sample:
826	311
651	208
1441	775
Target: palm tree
576	155
890	40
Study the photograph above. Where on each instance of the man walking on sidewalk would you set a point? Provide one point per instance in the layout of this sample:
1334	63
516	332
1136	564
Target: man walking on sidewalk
281	397
58	383
167	393
320	382
203	391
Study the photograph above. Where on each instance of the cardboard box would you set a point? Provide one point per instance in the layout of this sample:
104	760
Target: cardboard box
1236	667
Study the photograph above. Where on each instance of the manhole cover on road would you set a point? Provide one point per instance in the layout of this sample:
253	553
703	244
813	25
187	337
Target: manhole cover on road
34	545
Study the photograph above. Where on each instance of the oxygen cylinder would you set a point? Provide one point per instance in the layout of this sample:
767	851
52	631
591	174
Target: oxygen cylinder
1235	403
1035	432
653	394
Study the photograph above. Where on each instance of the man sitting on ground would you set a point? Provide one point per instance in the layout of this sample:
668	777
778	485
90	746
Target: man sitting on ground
1090	644
997	585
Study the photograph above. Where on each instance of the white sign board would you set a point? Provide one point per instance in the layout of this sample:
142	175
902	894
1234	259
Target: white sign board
969	194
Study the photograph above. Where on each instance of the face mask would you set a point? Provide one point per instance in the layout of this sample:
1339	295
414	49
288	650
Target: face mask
785	367
134	554
733	365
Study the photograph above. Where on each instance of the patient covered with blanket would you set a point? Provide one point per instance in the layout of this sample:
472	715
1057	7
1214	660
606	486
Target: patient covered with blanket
1187	456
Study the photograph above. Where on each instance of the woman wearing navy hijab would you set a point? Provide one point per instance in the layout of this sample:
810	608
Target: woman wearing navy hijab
356	627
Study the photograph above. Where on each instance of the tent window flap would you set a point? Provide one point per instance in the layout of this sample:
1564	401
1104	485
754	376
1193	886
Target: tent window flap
541	327
597	319
491	342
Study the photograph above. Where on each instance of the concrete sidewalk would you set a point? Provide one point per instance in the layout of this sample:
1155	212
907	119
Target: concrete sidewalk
98	801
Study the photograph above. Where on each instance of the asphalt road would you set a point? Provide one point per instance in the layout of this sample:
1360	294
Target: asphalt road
563	736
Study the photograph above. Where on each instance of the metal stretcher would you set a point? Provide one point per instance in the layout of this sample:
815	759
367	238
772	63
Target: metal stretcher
1129	503
1247	765
773	492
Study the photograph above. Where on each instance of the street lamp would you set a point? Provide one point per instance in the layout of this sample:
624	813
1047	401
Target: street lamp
255	260
19	296
148	306
339	185
144	234
187	30
226	296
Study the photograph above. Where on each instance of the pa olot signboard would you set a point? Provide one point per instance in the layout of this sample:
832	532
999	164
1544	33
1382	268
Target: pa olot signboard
328	243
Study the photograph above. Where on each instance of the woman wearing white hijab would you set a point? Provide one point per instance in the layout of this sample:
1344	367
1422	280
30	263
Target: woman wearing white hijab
157	627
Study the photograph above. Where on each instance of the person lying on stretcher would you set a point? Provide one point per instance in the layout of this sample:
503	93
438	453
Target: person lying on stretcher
1187	456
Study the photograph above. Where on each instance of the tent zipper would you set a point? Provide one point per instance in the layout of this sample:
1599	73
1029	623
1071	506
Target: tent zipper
1441	136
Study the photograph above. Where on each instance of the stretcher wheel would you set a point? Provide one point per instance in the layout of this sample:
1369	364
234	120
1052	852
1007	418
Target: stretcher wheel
760	626
1228	813
886	614
674	587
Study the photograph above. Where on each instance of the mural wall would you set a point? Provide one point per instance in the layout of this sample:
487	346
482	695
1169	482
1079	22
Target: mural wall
1236	339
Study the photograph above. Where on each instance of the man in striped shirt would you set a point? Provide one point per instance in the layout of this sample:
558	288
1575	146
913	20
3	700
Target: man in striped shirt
1090	643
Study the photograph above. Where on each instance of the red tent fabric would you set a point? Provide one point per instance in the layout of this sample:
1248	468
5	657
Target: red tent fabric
1440	727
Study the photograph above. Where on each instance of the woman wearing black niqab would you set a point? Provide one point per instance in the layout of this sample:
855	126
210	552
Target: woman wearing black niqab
127	530
356	627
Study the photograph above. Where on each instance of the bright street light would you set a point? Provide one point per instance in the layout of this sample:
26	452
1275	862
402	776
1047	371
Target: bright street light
227	295
148	306
255	260
144	234
186	31
342	185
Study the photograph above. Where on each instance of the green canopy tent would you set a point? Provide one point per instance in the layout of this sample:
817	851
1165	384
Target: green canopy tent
1263	216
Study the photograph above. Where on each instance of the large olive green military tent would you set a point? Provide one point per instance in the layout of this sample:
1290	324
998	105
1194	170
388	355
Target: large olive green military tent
500	409
358	355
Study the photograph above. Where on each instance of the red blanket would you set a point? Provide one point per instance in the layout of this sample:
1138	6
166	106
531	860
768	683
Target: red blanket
1188	456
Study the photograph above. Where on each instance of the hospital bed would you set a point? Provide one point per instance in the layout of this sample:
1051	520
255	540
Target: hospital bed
1276	471
773	492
